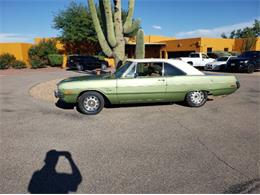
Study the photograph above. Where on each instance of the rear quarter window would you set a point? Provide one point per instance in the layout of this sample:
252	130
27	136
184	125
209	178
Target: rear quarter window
170	70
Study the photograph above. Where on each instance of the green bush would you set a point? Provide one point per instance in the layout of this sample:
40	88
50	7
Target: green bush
37	63
6	60
18	64
38	54
55	59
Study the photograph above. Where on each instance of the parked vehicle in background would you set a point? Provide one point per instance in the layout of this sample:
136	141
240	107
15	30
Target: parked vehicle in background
82	62
145	81
218	64
197	59
248	61
218	54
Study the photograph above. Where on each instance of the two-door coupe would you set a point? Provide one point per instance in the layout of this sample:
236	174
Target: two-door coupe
145	81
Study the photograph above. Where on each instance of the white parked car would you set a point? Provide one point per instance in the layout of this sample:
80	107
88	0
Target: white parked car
219	63
197	59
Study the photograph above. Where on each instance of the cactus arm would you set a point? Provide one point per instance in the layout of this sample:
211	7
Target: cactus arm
109	23
119	50
129	18
135	26
140	46
103	17
101	38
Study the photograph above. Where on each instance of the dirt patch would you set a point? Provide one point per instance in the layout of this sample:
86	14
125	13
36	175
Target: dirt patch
45	91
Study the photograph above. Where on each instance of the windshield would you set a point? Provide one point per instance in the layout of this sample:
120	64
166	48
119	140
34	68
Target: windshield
122	69
222	59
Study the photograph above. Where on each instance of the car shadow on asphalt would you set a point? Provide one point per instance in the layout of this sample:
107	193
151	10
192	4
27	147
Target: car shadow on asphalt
48	181
66	106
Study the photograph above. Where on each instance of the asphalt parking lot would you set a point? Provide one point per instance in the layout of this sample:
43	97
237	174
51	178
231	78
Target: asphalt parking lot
165	148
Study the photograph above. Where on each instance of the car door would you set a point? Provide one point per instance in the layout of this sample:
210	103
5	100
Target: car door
176	83
143	83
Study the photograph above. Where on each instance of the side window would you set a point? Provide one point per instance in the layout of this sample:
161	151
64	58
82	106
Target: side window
131	73
204	56
170	70
149	69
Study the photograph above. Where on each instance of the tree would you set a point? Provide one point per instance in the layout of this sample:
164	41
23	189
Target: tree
248	34
253	31
77	32
113	39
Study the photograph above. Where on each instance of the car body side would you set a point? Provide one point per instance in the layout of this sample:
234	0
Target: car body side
145	90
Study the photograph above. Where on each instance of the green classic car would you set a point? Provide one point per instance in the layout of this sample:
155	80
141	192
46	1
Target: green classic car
145	81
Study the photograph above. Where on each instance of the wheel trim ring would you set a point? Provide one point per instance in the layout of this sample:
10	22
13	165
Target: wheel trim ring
91	103
197	97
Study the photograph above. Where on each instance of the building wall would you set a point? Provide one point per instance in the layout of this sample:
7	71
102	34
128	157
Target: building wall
192	44
19	50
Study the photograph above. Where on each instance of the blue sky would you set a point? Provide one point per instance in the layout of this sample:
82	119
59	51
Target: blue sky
22	20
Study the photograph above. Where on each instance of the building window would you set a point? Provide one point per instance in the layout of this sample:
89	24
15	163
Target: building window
226	49
209	49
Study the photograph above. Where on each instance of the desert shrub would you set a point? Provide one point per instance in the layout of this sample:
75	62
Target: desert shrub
18	64
38	54
55	59
37	63
6	60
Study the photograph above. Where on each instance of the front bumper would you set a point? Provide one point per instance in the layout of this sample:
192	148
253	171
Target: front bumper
57	94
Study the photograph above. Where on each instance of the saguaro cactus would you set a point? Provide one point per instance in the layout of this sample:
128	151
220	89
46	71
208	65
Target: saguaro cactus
140	46
114	44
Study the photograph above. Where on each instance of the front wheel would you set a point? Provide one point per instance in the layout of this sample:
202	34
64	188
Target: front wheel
80	67
196	98
103	66
90	103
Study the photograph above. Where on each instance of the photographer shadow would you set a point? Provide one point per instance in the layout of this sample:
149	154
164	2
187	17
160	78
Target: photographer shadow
48	181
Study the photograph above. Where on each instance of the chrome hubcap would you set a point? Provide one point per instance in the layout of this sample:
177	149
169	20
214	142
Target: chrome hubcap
91	103
197	97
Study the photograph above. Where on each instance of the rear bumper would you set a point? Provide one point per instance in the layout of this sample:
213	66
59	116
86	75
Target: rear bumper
238	84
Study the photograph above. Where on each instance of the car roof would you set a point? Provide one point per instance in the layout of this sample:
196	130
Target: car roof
185	67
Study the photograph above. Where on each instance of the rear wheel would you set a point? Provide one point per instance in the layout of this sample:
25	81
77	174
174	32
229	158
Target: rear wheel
250	68
91	103
196	98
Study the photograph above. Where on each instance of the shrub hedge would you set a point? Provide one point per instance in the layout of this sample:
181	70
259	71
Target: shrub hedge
55	59
6	60
38	54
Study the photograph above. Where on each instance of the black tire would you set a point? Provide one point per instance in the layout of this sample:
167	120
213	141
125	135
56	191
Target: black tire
93	105
80	67
103	66
196	98
250	68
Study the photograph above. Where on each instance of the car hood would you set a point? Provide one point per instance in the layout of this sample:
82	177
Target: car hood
217	62
87	78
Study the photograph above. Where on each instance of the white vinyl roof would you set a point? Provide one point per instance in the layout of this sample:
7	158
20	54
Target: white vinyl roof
185	67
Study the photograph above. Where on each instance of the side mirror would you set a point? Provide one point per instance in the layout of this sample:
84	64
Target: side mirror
135	75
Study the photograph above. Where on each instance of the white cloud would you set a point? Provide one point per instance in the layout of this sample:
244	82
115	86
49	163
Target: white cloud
157	27
214	32
15	37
